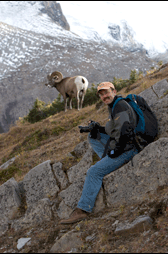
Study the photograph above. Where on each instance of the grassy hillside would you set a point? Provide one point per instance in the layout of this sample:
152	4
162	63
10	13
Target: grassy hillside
54	137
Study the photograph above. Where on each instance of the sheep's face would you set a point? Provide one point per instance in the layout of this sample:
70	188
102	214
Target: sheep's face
54	78
50	81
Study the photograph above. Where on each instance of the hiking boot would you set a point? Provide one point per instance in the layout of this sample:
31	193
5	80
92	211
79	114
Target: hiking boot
76	215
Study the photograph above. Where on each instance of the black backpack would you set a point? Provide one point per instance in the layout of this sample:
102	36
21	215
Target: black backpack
147	126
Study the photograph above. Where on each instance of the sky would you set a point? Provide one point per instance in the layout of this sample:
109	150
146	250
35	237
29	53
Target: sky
148	19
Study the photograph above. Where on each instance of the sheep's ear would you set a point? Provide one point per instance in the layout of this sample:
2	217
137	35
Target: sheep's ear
57	76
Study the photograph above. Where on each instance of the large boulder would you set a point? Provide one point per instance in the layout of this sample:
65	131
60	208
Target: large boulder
157	98
40	183
35	215
10	202
67	243
140	224
133	183
160	109
79	171
60	176
155	92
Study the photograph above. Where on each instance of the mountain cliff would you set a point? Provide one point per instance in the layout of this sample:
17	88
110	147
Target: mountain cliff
39	41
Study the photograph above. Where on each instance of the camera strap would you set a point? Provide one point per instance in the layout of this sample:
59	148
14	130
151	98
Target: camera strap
106	147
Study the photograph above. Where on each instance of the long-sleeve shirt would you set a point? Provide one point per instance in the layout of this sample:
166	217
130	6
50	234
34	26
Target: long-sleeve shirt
122	113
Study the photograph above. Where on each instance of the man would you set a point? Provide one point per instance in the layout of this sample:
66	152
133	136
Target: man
112	143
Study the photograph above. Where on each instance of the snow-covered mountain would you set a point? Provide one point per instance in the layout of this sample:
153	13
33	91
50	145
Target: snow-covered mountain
36	39
128	23
114	22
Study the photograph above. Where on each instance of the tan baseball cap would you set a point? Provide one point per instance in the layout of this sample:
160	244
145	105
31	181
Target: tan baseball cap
105	85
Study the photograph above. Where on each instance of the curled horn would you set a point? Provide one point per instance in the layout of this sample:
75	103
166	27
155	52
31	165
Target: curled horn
57	76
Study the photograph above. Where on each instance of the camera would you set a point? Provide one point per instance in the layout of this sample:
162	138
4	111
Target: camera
92	125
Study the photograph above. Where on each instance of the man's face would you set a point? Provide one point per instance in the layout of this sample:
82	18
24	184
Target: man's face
107	95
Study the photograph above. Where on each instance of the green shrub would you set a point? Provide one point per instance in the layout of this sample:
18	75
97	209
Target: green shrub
36	113
160	63
120	83
133	77
91	96
41	110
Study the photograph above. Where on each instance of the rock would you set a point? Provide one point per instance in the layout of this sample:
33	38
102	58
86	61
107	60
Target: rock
54	11
114	31
160	109
149	96
155	92
90	237
81	148
132	184
60	175
63	210
72	194
7	163
35	215
79	171
160	87
22	242
99	203
10	202
9	198
111	214
4	225
40	183
158	101
67	242
140	224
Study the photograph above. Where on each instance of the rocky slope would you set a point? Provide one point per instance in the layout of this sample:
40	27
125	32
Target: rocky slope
131	210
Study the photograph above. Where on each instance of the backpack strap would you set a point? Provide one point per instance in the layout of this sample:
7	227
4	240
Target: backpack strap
116	101
132	101
106	148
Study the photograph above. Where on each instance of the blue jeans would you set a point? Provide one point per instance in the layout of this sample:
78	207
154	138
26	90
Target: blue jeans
95	174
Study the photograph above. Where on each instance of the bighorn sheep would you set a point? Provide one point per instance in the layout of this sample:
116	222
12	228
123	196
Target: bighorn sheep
70	87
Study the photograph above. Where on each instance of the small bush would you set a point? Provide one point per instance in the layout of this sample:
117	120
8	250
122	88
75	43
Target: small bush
91	96
160	63
37	112
120	83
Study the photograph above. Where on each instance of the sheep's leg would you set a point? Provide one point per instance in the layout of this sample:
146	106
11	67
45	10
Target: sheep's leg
82	98
70	103
77	98
65	103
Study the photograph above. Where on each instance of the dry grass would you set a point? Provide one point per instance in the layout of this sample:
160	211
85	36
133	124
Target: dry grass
51	139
